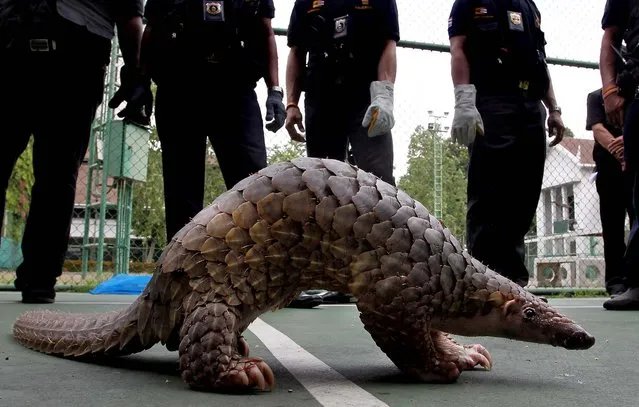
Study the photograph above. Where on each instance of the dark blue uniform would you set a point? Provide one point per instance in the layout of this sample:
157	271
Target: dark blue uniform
344	40
505	50
206	66
624	14
51	84
614	187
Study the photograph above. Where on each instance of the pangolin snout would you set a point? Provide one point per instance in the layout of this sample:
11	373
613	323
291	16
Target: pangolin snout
578	340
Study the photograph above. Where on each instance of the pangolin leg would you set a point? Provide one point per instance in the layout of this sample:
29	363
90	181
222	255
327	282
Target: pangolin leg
459	357
423	354
212	353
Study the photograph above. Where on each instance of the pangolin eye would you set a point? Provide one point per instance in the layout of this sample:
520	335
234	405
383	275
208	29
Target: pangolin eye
529	313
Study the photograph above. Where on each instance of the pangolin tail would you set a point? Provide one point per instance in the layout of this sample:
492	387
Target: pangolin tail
75	334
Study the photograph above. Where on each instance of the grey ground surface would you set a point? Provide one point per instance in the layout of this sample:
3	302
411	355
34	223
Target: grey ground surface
523	374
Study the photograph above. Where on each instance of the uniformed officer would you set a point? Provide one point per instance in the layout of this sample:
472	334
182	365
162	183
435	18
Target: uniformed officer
619	90
615	191
500	78
348	82
54	57
206	58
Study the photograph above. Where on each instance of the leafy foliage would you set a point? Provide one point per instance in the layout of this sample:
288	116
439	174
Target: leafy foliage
419	178
18	196
288	151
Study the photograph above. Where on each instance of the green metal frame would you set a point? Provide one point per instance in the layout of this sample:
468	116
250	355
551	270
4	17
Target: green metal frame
102	125
104	130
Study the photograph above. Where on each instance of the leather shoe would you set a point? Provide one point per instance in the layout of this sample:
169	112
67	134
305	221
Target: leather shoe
629	300
305	300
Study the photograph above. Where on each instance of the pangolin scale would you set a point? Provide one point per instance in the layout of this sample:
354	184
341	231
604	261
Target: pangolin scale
297	225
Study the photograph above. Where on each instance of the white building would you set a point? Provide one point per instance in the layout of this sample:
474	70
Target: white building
566	248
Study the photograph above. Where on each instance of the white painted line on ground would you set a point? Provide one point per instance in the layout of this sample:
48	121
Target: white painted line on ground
329	388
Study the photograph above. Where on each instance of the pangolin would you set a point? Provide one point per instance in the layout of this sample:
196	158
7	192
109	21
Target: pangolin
298	225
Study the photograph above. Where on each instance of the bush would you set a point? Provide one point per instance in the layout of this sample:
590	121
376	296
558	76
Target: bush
135	267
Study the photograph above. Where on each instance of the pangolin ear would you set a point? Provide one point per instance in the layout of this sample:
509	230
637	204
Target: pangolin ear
513	306
496	299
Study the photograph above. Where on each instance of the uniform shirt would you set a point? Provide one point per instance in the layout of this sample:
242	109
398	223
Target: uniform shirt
596	113
618	13
156	10
232	42
99	16
489	25
361	27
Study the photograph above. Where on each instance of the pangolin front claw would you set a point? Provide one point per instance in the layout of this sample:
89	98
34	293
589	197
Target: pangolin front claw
248	374
475	355
243	346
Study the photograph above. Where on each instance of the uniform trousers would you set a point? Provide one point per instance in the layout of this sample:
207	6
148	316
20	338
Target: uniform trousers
334	119
189	111
52	96
631	153
615	203
505	177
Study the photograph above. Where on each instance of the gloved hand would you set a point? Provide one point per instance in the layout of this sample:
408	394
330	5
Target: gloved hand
467	121
379	116
275	110
136	92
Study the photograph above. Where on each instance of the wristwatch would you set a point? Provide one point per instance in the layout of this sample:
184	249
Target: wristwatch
555	109
278	89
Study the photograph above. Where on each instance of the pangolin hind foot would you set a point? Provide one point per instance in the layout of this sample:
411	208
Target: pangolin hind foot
212	356
302	224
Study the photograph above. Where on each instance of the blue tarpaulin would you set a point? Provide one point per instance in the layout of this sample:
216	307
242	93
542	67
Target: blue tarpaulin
122	284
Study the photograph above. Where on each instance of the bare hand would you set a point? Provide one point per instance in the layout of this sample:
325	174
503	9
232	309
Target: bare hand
293	118
616	148
555	128
614	109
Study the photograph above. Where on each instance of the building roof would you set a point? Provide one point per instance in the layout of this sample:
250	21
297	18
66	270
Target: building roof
580	148
81	187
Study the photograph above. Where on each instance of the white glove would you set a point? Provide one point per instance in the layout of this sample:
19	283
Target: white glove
467	121
379	115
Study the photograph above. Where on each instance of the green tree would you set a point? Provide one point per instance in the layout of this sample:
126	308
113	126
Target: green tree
18	195
418	180
287	151
568	133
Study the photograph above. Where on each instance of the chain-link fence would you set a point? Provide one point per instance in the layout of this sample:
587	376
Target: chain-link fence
118	223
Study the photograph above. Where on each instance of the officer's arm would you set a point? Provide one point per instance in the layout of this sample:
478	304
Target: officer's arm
602	135
271	78
387	68
550	101
459	67
129	28
294	71
145	51
611	36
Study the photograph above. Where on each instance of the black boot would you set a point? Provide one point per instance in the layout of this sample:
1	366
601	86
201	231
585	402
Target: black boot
626	301
38	296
